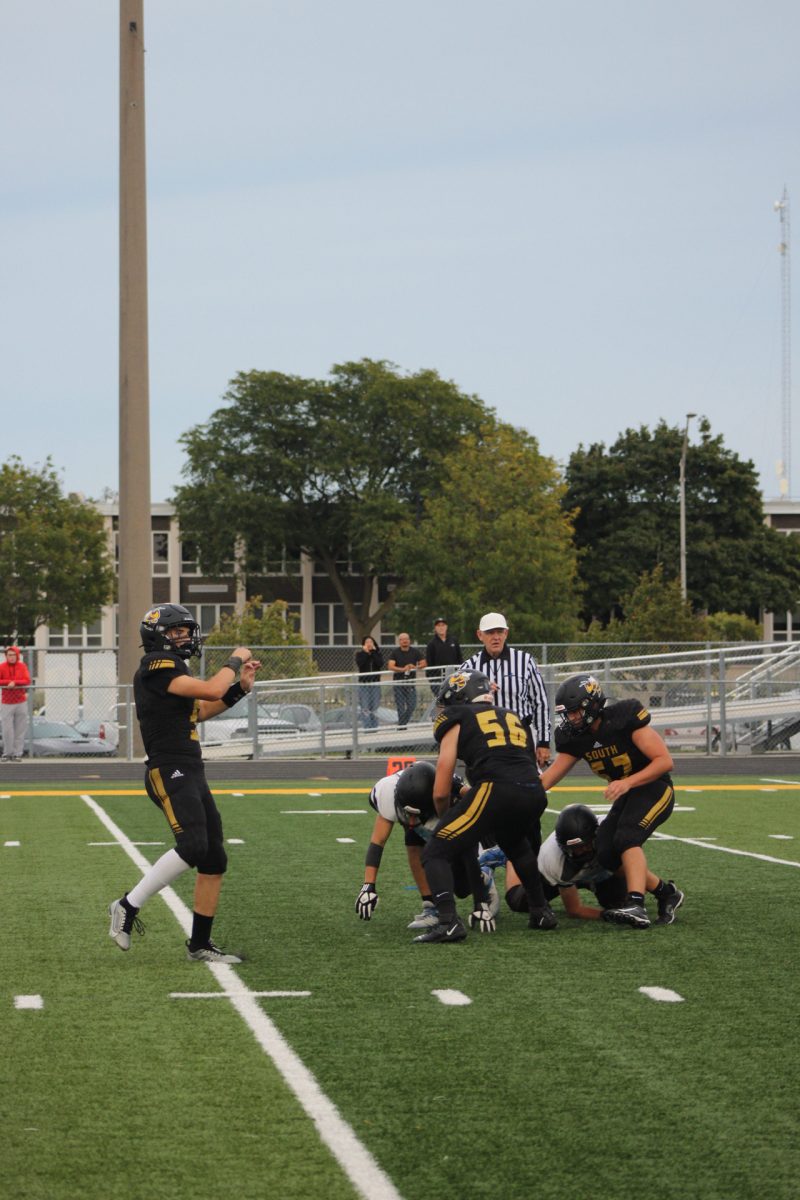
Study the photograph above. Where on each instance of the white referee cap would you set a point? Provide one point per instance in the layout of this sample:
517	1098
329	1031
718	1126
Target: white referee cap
492	621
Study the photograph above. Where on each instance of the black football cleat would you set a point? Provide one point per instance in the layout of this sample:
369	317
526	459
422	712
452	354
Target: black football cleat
669	904
542	918
449	931
634	915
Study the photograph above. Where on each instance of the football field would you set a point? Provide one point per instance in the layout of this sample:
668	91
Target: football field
340	1060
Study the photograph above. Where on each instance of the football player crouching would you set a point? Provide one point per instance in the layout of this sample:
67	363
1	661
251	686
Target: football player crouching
406	799
567	862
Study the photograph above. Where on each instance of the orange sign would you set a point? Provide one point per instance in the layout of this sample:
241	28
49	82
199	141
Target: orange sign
393	765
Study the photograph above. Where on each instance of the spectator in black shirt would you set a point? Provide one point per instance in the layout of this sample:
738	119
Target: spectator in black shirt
404	661
442	651
369	661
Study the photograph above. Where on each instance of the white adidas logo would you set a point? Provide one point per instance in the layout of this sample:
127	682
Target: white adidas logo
177	775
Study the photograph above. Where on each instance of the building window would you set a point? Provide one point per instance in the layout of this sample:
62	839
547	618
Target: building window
330	625
209	615
283	566
189	561
77	636
160	553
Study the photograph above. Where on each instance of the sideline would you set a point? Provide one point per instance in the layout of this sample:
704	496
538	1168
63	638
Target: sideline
321	790
355	1160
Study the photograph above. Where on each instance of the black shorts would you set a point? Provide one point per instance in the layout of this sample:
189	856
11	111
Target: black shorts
632	819
181	792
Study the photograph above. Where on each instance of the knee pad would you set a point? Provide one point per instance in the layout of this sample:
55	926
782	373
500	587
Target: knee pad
192	845
215	861
516	899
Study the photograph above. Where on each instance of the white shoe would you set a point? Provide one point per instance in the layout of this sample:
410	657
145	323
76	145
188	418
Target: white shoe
427	918
211	953
123	922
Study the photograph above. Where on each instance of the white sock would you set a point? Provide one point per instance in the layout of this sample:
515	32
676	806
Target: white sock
163	872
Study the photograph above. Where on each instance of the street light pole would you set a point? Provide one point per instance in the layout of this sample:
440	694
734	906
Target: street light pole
683	502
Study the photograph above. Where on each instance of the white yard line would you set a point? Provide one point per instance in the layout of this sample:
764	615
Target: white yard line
355	1160
451	996
28	1002
781	862
662	994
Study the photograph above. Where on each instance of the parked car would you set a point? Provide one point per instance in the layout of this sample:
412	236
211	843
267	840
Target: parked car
695	737
105	731
104	728
234	725
57	739
307	718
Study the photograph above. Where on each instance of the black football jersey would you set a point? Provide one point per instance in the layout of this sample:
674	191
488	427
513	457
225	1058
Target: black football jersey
611	752
492	742
168	722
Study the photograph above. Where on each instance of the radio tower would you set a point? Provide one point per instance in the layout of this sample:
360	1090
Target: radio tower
785	248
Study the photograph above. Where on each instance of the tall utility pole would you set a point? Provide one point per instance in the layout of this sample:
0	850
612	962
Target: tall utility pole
682	497
785	249
135	540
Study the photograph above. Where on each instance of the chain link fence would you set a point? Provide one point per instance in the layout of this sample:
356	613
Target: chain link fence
308	702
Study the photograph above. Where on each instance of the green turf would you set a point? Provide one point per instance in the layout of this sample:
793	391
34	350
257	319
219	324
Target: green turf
560	1079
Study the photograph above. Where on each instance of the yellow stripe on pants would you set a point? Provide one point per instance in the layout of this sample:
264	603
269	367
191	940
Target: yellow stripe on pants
467	819
657	809
161	792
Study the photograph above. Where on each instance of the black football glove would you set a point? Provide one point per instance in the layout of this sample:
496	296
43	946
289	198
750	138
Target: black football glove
366	901
456	786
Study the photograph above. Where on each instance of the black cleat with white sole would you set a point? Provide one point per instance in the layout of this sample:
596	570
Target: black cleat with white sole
634	915
449	931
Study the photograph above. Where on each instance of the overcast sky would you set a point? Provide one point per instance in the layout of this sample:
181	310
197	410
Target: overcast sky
565	208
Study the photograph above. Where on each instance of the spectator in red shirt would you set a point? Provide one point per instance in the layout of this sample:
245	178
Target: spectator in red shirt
14	683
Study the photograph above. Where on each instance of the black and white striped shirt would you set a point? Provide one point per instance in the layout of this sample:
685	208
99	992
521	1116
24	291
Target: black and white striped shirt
520	687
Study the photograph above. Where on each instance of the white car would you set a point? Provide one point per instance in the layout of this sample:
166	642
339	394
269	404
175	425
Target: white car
234	725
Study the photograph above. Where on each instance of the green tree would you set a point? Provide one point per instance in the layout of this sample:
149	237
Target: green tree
627	506
494	536
655	611
733	627
334	468
261	625
54	559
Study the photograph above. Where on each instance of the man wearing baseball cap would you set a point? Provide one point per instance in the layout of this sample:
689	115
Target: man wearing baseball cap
442	651
515	674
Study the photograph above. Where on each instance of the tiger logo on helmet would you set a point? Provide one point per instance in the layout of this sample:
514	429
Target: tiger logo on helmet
464	687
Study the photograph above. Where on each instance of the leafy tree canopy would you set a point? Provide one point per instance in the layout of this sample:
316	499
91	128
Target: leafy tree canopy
626	501
733	627
494	536
260	625
336	468
54	559
655	612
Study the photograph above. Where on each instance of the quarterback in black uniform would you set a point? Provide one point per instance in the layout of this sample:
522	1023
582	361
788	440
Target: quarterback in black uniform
504	803
169	703
617	742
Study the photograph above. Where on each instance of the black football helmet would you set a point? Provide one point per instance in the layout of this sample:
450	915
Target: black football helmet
413	794
157	621
576	829
462	687
579	692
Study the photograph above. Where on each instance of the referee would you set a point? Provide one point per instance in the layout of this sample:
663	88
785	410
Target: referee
520	687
